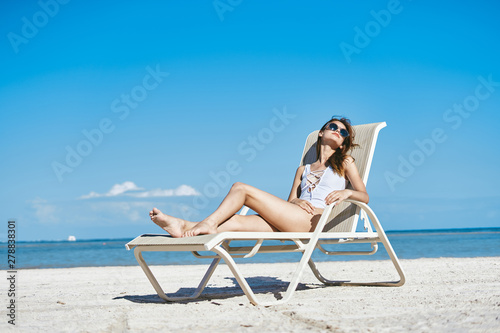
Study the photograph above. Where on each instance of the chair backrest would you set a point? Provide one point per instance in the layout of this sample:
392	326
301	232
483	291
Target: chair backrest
344	217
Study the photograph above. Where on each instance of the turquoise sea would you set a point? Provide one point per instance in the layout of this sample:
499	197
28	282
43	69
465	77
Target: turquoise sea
457	243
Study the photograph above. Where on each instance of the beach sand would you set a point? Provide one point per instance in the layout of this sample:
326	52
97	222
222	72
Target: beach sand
440	295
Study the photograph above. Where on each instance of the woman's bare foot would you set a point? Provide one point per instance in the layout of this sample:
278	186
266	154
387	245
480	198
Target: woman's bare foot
202	228
174	226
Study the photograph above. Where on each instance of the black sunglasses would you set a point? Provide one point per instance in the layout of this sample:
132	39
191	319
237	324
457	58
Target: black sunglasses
334	127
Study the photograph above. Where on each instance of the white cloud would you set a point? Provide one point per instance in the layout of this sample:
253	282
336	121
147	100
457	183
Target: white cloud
91	195
181	191
115	190
185	190
45	212
118	189
128	186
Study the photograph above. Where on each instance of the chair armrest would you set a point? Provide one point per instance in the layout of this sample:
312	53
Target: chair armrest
323	219
244	210
370	213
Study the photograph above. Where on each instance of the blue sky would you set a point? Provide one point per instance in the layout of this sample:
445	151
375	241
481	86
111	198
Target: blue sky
109	109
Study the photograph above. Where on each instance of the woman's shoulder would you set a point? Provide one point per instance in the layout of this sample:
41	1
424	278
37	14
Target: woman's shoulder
349	165
348	160
302	168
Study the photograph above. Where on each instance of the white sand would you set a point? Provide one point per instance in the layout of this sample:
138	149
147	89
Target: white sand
440	295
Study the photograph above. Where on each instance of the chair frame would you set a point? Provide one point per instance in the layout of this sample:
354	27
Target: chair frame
304	242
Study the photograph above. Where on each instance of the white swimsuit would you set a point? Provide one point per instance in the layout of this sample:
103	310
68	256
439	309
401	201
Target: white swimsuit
316	185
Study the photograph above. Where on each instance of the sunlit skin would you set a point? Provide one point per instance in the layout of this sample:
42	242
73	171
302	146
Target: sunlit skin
274	214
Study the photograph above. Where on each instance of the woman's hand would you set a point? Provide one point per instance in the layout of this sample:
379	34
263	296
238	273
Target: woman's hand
337	196
304	204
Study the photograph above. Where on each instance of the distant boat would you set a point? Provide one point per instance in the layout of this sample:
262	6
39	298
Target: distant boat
71	238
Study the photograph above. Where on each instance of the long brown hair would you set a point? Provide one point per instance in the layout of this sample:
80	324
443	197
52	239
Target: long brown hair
339	156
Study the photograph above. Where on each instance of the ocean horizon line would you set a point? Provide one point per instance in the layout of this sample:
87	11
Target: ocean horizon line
388	232
408	244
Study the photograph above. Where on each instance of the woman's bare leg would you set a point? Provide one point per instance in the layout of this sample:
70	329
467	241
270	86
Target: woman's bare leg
246	223
176	227
173	225
282	215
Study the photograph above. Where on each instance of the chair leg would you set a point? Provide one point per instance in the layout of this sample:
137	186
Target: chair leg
237	274
320	277
159	290
394	259
292	286
384	240
392	255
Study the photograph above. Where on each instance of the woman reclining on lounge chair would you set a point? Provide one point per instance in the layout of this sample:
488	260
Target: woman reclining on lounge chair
315	186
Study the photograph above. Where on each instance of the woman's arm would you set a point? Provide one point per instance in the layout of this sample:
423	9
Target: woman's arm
359	190
295	192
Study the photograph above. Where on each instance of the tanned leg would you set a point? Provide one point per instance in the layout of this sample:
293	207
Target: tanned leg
246	223
281	214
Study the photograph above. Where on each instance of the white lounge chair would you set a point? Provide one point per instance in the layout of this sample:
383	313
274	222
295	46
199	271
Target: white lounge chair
337	225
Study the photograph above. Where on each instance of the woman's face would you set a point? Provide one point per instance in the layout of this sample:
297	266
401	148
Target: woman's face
336	133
